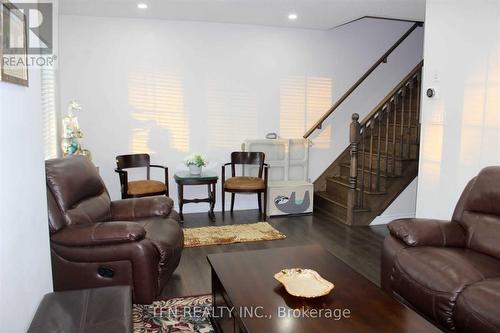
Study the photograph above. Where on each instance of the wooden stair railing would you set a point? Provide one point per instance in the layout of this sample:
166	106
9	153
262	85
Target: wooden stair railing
382	59
375	131
380	161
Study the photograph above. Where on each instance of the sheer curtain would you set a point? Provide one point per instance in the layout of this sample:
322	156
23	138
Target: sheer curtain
49	112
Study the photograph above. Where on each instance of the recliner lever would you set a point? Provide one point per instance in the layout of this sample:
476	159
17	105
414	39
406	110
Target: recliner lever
106	272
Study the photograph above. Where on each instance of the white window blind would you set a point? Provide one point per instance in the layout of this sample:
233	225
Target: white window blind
50	118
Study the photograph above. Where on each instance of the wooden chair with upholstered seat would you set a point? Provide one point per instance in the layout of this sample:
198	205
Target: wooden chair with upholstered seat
246	184
139	188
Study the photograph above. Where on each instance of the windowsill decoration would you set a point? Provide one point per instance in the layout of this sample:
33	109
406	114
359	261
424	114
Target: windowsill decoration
72	133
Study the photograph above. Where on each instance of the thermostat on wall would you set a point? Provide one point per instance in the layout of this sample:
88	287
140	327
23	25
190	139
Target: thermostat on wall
432	92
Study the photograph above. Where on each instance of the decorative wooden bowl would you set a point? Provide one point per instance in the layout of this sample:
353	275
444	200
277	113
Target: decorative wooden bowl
304	282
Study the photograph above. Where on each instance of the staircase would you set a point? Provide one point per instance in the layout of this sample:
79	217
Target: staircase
381	159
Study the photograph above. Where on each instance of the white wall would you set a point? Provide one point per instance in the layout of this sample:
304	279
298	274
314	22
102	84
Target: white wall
176	87
402	207
25	270
461	126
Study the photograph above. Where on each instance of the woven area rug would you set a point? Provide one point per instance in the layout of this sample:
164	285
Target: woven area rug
228	234
183	314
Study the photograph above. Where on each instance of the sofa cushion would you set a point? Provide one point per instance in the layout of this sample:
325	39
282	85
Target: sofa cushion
482	232
90	210
478	307
244	183
481	212
142	187
78	189
484	196
431	278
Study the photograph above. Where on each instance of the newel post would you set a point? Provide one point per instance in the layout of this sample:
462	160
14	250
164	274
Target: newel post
354	139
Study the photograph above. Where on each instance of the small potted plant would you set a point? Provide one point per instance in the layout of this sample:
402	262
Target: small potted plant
195	162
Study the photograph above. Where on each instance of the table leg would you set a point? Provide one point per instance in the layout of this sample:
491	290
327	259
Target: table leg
211	197
214	187
180	192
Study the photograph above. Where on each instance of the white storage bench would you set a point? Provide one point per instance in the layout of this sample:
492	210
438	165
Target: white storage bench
290	197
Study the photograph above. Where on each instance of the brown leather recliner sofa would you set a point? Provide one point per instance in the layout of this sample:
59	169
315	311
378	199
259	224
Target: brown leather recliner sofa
450	270
96	242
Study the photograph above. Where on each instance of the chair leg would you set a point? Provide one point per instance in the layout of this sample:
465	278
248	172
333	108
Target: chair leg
223	200
259	201
265	205
232	201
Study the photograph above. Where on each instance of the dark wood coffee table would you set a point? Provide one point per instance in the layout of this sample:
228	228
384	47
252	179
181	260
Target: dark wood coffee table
243	282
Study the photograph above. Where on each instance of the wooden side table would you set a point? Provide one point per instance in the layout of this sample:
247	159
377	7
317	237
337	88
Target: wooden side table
208	178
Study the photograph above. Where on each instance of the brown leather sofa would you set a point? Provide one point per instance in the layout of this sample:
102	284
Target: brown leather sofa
96	242
450	270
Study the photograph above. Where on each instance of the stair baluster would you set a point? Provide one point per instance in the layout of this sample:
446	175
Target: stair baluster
354	139
370	125
379	127
387	116
393	166
417	121
408	149
362	182
402	130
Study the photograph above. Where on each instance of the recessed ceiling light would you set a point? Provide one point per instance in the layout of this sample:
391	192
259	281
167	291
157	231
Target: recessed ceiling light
142	5
292	16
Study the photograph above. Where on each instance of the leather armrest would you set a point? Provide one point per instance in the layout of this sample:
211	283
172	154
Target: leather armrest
102	233
130	209
428	232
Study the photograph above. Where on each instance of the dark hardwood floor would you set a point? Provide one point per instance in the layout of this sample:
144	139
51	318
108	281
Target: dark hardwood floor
359	247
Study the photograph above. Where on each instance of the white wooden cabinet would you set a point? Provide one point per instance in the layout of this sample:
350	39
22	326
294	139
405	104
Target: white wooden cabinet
289	191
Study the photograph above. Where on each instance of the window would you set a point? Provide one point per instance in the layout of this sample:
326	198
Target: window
49	113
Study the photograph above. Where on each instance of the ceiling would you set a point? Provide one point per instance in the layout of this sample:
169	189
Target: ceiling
312	14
